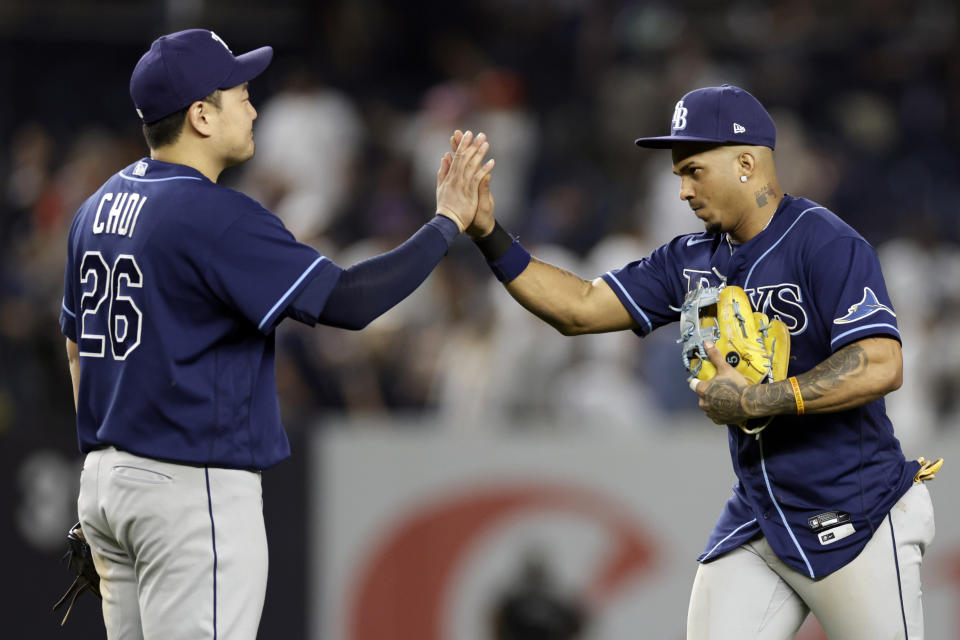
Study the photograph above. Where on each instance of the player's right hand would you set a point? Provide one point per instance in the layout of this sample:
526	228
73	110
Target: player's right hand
721	396
484	222
459	177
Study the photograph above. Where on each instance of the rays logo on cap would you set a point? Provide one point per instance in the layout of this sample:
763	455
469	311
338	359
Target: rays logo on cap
679	117
868	306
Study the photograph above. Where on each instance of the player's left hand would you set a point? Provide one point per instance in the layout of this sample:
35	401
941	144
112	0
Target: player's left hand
721	397
459	177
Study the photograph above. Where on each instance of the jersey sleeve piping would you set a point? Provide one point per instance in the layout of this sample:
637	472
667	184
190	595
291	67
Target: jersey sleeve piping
68	322
629	298
132	178
274	310
746	283
866	327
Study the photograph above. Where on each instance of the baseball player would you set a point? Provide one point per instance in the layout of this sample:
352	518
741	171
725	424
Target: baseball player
173	288
827	515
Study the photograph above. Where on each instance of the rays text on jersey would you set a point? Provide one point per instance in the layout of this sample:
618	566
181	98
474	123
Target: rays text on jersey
121	218
783	300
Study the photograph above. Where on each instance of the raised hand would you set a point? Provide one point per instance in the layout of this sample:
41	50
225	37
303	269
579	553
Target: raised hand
459	177
484	221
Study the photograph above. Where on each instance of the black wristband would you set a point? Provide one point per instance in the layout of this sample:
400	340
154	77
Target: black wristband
495	244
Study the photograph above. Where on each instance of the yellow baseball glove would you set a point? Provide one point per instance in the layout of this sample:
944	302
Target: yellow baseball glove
757	347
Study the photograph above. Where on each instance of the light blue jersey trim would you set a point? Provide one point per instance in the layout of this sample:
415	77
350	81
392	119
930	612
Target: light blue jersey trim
728	536
746	283
632	301
126	177
864	327
63	305
783	518
284	297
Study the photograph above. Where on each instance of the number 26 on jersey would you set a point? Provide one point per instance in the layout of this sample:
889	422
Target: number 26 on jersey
120	322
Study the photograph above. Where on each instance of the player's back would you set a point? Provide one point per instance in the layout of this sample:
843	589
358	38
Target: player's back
165	219
171	365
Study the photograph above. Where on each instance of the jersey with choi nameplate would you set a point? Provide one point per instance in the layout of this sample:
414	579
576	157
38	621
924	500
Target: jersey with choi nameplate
815	273
173	287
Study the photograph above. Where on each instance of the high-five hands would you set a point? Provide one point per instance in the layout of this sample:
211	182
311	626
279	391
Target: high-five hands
483	223
459	178
721	396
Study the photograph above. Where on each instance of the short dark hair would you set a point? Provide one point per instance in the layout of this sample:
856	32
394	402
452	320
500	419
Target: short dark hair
167	130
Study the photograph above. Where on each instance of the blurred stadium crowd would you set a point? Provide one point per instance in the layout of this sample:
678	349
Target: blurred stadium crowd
355	115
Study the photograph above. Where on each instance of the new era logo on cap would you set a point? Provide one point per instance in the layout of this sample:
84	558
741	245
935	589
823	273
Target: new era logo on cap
186	66
719	115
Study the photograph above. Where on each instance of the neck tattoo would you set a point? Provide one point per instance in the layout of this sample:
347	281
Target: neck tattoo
762	195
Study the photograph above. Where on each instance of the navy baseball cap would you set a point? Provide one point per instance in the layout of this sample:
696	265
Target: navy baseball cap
183	67
717	114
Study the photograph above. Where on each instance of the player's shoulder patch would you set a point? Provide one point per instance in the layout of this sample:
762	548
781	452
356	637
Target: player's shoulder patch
867	306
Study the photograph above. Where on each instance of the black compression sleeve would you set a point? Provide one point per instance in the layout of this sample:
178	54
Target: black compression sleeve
369	288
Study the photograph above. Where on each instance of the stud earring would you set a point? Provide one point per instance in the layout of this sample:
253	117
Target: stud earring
743	178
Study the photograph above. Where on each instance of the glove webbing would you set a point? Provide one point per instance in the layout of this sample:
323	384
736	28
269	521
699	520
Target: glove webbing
79	558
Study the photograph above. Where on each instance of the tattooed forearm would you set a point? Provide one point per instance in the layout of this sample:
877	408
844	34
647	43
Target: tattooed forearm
768	399
777	397
721	402
832	372
725	397
857	374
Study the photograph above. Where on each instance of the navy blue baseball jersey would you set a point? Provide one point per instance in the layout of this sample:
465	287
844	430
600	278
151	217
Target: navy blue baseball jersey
803	474
173	287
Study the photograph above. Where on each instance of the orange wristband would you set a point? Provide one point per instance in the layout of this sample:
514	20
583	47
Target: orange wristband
796	394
